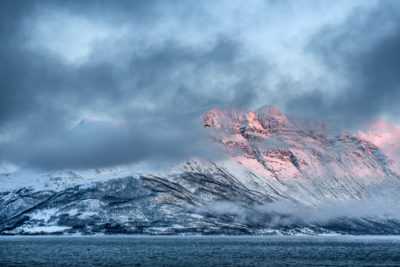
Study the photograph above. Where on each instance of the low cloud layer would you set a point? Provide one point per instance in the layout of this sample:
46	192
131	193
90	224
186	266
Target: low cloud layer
281	214
157	65
102	144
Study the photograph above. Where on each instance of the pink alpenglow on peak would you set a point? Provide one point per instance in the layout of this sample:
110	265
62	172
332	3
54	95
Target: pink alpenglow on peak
269	110
275	145
379	125
386	136
250	124
264	120
272	118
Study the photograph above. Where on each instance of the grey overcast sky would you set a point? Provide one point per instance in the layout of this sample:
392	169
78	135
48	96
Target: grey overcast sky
156	65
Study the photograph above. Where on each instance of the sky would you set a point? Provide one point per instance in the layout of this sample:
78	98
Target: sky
155	66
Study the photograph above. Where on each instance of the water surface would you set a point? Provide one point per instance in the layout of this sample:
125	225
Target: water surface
198	250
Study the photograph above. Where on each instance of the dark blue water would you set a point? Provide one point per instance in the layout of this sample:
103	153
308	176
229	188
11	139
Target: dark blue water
199	251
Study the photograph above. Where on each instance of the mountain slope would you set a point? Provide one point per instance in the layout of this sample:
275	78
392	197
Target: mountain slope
281	174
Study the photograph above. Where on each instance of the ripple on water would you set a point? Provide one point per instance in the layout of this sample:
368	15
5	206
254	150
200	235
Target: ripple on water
199	250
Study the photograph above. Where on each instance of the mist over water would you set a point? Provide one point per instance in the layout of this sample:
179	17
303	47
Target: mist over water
200	251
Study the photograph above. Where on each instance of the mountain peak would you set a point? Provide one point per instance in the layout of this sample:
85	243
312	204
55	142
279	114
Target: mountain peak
380	125
270	110
264	120
272	118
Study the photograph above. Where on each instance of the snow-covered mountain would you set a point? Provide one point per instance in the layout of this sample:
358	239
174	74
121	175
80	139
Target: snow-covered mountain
281	174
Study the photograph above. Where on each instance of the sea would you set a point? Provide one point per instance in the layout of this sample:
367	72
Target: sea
199	250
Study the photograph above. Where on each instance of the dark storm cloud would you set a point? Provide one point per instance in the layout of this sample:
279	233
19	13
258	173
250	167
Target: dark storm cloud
41	93
108	145
157	65
363	51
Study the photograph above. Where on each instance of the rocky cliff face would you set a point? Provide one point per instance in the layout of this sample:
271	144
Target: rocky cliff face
281	174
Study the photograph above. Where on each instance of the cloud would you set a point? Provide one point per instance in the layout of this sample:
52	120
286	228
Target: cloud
285	213
45	93
146	62
102	144
361	53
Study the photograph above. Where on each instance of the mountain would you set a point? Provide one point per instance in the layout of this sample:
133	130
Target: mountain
281	175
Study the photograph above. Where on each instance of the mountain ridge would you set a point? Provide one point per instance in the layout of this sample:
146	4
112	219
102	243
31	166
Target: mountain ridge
281	174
